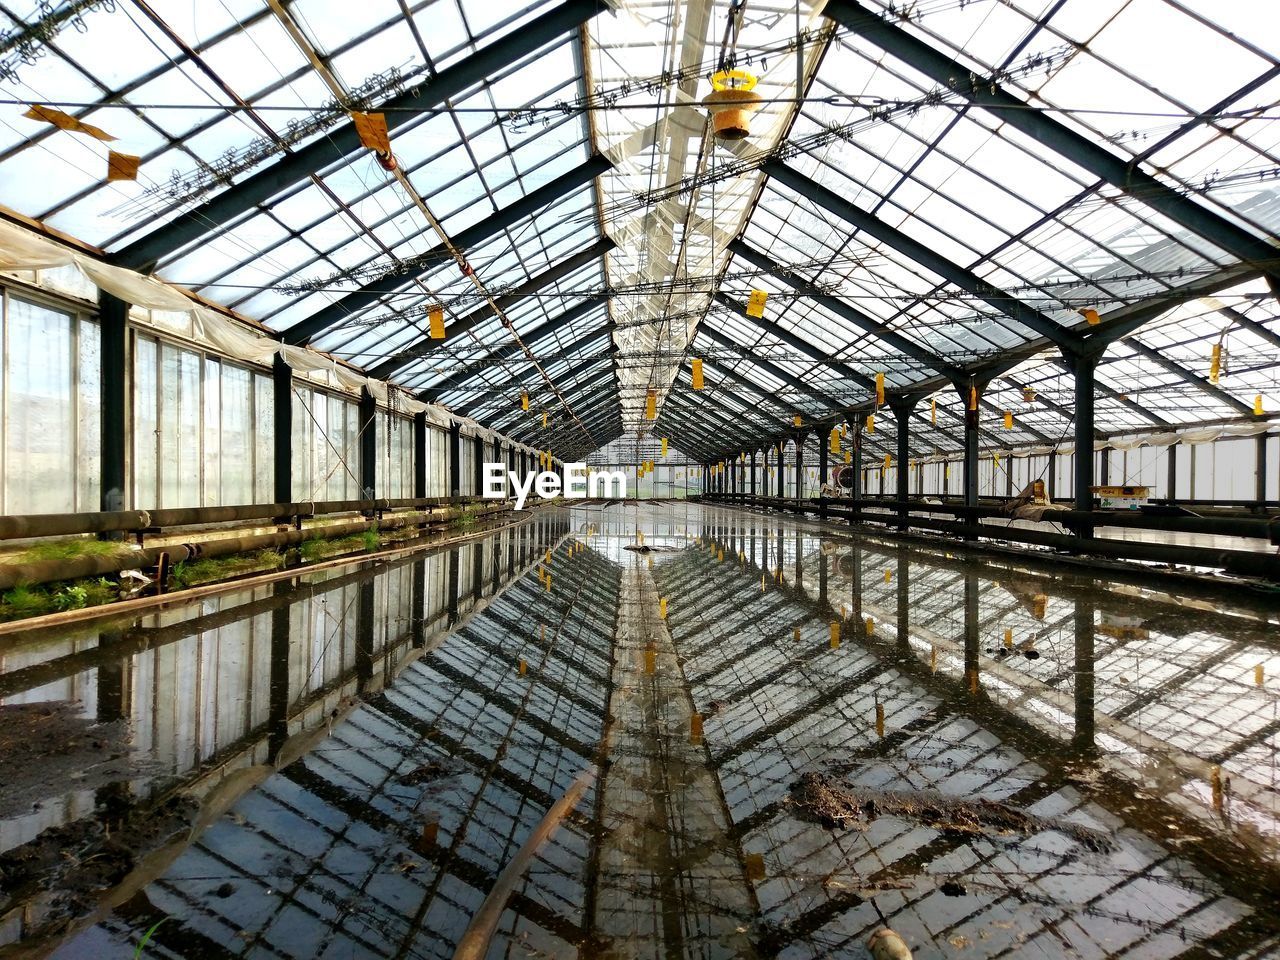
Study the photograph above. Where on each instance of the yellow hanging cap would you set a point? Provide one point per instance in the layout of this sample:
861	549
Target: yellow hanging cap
1091	316
664	446
933	411
835	441
1215	363
973	398
1257	405
524	399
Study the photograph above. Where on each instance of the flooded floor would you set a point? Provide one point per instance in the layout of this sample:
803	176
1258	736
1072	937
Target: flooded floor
749	737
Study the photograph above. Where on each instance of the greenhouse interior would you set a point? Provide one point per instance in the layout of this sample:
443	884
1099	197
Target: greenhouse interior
639	479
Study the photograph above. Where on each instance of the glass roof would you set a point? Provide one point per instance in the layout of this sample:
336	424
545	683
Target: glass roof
556	190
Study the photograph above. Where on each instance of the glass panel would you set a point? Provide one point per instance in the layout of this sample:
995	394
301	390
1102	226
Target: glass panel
40	411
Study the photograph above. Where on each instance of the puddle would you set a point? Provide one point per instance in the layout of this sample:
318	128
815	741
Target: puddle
752	739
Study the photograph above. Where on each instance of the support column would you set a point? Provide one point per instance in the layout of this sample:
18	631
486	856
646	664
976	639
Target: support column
1260	474
368	445
902	407
420	455
455	460
971	438
478	471
824	452
753	473
799	466
782	486
113	315
1171	477
1084	366
1052	485
856	465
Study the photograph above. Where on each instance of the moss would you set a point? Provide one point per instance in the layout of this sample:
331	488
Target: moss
63	550
320	549
191	573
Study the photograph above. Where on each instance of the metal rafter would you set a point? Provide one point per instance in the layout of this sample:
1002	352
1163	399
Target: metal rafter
333	314
1072	146
341	143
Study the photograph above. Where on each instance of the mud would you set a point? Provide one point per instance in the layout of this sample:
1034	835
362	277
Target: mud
61	875
47	747
825	800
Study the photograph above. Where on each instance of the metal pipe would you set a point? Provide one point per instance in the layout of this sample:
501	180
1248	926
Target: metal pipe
47	571
140	521
1240	562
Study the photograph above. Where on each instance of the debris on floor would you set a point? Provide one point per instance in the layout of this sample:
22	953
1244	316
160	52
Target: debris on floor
822	799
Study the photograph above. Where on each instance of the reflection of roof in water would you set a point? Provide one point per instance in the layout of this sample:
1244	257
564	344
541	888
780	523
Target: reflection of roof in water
386	835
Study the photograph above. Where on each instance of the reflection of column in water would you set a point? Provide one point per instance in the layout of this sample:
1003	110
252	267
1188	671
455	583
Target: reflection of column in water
904	597
1084	674
971	665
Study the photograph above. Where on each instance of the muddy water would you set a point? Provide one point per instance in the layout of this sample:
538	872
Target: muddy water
823	735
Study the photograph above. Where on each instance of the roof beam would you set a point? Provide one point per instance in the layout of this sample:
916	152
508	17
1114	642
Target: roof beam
775	371
333	314
509	419
1115	170
921	254
848	313
523	364
478	316
340	143
1186	376
508	351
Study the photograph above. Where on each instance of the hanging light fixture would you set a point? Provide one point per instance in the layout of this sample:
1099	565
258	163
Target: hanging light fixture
731	102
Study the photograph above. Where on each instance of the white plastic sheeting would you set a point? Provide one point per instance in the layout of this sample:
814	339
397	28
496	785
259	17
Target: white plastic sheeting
22	250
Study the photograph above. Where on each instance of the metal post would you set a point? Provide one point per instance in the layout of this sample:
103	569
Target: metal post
856	492
799	466
753	473
1260	474
420	455
455	459
478	471
824	443
1084	367
902	408
782	487
1171	478
970	447
113	315
368	445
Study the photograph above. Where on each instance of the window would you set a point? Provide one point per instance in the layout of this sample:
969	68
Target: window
50	372
202	429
